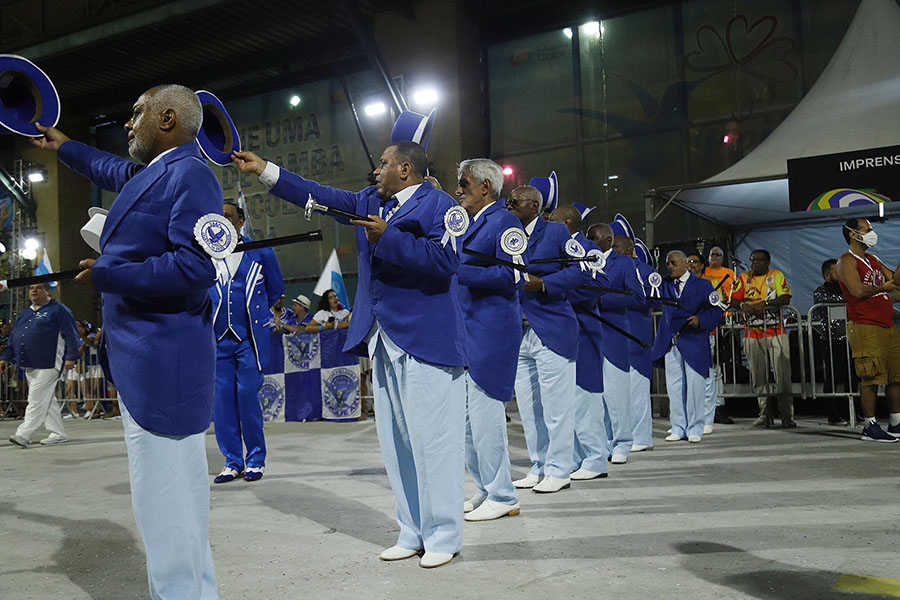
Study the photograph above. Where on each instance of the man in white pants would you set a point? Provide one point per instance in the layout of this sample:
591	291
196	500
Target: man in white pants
44	336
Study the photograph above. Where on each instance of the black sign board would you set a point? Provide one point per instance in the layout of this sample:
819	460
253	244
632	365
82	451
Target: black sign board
847	179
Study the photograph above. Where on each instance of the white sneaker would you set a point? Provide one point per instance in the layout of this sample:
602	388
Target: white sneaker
473	502
619	459
529	481
583	474
707	429
549	485
431	560
490	510
669	430
640	448
694	439
398	553
54	439
673	437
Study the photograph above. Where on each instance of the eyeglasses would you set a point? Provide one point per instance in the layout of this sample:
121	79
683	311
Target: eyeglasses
715	254
511	203
694	261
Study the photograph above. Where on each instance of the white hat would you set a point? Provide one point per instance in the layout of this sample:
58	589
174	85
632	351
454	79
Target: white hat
302	301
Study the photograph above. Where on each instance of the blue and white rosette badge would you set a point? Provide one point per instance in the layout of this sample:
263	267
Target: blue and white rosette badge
216	235
456	223
655	280
513	241
598	263
576	250
715	299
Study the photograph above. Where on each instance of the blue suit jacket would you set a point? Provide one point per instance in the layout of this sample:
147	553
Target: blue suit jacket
692	342
407	280
551	315
641	324
589	366
490	305
158	344
621	273
264	286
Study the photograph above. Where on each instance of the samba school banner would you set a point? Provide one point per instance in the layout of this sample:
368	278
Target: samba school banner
847	179
309	378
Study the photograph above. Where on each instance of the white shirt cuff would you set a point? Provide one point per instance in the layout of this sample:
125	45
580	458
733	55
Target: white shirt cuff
270	174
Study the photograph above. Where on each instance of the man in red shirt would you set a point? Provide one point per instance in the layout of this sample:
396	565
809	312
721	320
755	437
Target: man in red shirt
867	285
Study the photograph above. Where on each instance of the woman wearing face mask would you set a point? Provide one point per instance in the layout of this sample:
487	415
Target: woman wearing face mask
868	285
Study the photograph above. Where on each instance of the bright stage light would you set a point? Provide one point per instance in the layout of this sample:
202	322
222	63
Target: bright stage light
507	171
592	28
32	243
295	100
374	109
568	32
35	177
29	254
425	96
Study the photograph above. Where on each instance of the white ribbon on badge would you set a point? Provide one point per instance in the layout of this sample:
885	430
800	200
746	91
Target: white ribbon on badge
513	241
576	250
456	223
597	265
655	280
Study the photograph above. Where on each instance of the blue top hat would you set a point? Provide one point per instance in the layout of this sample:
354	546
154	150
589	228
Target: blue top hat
413	127
642	251
626	226
218	137
584	210
618	228
549	189
27	96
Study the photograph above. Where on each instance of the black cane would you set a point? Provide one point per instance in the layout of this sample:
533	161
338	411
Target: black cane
568	259
615	328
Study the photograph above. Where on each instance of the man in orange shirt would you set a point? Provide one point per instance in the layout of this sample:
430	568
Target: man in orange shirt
760	292
716	273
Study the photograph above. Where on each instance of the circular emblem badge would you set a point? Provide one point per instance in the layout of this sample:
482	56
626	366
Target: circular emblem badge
599	260
271	396
574	249
513	241
715	298
216	235
302	349
655	279
340	392
456	221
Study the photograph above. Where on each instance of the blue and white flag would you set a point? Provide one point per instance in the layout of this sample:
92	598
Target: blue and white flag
44	267
247	229
331	279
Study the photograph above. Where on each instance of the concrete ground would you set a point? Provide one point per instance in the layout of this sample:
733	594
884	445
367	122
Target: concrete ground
747	513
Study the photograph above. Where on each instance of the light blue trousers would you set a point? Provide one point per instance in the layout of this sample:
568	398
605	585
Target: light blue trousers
687	390
170	497
420	416
641	409
237	412
591	451
487	447
714	384
545	393
617	402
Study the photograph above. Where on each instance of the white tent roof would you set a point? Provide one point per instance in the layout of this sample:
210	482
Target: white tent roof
854	105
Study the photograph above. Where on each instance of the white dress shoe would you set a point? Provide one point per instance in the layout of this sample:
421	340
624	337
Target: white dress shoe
431	560
398	553
529	481
694	438
583	474
54	439
640	448
548	485
619	459
673	437
490	510
473	502
707	429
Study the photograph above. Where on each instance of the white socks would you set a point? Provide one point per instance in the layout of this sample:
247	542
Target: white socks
895	419
871	421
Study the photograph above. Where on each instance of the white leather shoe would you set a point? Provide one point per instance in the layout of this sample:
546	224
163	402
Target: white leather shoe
583	474
473	502
398	553
431	560
694	439
54	439
673	437
490	510
669	430
549	485
619	459
529	481
640	448
707	429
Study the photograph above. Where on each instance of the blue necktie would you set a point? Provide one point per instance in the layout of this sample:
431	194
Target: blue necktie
388	207
678	288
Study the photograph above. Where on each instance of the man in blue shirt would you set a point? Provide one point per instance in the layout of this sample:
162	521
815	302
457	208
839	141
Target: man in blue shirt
44	336
295	318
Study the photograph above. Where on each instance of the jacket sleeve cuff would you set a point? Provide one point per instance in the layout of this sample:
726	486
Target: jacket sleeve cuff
269	176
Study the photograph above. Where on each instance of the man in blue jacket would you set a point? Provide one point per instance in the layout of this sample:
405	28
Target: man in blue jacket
158	345
591	447
247	285
682	346
34	345
407	318
545	376
489	298
621	273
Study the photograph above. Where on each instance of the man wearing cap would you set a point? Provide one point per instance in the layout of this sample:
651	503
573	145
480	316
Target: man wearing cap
298	317
545	376
682	345
591	451
158	344
408	319
493	318
621	272
247	285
